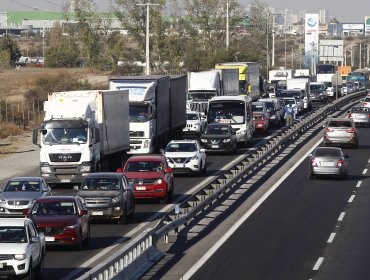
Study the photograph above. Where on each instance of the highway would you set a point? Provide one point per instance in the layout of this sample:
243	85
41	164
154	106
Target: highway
65	263
306	229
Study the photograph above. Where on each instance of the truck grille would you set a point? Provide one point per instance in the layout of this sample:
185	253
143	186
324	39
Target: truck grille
50	231
65	172
18	202
73	157
136	133
144	181
198	106
97	202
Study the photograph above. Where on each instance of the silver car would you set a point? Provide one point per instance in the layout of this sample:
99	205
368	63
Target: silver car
360	115
328	161
341	131
20	193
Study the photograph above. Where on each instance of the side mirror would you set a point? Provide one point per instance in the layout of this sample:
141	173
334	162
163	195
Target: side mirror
169	170
84	212
348	112
75	187
161	151
35	240
35	135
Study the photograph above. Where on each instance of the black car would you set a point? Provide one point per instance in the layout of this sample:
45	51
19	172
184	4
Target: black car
219	137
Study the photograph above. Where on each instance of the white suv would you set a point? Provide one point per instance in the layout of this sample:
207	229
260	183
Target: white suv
185	156
195	124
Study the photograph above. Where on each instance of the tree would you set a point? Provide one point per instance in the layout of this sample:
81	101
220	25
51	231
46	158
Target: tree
11	47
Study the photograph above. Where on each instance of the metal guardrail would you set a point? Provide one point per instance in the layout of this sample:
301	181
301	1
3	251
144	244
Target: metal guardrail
141	253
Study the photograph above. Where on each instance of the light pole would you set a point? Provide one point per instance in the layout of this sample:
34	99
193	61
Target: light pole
273	39
147	67
43	45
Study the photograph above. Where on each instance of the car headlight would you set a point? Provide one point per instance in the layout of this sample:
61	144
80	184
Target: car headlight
272	117
158	182
240	132
20	257
70	227
146	144
196	157
85	168
116	199
203	140
226	140
45	169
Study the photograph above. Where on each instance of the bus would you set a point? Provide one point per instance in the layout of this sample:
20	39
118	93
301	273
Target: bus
358	80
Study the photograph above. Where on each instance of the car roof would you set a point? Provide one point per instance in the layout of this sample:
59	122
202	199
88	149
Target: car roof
25	179
13	222
56	198
192	112
104	174
184	141
147	158
218	124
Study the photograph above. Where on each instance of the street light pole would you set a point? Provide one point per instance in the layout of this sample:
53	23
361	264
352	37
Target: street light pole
147	66
273	39
43	45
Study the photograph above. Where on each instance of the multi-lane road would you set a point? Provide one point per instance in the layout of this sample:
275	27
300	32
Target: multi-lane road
305	229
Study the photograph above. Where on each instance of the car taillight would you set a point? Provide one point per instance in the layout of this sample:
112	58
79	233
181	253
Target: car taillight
313	162
352	130
267	118
340	163
368	116
329	129
349	115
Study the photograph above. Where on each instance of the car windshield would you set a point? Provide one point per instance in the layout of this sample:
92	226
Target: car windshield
367	99
270	106
139	113
360	110
13	234
143	166
101	184
192	117
22	186
290	101
325	152
181	147
340	123
217	130
54	208
257	107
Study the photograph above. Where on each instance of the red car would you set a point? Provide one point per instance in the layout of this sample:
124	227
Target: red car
261	122
63	220
151	177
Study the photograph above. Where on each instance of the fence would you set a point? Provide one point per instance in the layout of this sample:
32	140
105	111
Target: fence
22	113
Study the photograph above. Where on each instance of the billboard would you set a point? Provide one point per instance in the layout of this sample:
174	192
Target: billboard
352	26
367	26
311	39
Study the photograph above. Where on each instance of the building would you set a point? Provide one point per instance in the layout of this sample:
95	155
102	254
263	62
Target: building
323	16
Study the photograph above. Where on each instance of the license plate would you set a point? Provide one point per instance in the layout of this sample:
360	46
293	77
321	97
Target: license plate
215	146
180	165
140	188
49	238
97	213
65	180
327	163
360	116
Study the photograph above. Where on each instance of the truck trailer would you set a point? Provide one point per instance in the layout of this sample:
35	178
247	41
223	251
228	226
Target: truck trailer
157	111
82	132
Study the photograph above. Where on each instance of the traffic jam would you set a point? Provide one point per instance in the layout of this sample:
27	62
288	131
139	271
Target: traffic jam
167	128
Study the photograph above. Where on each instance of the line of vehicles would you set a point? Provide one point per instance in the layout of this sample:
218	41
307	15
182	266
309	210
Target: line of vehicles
106	143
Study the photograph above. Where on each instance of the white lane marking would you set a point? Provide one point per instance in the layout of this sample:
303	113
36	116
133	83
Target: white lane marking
331	237
167	208
351	198
358	184
364	172
255	206
318	263
341	216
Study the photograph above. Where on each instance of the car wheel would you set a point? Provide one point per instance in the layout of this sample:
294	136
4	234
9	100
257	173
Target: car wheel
30	274
40	268
78	245
200	171
204	171
88	236
355	145
123	217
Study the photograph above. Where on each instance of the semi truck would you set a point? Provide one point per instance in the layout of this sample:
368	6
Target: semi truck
157	109
82	132
204	85
250	80
302	84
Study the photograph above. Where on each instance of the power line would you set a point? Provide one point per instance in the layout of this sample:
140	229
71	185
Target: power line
52	3
34	8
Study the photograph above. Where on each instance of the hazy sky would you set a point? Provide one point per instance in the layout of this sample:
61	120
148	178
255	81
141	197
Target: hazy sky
352	11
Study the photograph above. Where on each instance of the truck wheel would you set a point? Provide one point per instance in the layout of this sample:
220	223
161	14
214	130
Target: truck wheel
123	217
78	245
200	171
88	237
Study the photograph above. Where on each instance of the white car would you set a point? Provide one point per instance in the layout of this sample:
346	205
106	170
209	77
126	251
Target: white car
195	124
186	156
22	249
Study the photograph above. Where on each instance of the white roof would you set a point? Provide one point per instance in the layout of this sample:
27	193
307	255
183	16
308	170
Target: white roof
183	141
231	97
13	222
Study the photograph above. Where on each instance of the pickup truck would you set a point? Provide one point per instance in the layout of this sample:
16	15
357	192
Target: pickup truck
22	249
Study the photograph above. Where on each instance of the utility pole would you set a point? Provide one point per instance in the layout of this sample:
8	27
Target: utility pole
267	46
273	39
147	66
227	23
